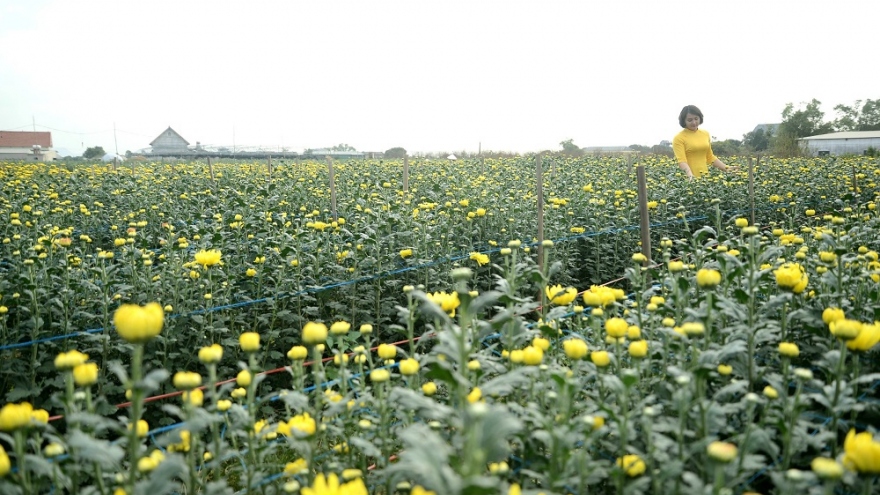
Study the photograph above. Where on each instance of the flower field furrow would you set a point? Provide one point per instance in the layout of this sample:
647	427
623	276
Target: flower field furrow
242	328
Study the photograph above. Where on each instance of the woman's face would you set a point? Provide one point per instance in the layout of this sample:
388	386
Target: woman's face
692	121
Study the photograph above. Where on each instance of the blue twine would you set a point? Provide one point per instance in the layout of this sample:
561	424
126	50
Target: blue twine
315	290
368	278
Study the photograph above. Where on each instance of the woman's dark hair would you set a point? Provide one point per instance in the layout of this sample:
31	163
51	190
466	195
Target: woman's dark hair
689	109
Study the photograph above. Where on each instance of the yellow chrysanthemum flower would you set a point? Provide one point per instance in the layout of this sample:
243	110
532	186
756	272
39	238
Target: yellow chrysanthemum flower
139	324
791	276
208	258
632	465
330	485
861	453
559	295
70	359
867	338
15	416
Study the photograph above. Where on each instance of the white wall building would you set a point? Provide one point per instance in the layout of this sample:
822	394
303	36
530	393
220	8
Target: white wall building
31	146
841	143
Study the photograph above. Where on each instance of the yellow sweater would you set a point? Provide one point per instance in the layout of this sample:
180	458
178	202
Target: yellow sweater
694	148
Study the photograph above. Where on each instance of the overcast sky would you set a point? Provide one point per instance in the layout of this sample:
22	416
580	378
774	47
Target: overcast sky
427	76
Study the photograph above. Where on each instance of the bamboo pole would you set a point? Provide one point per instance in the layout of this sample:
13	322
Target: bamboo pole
405	173
855	183
539	191
751	192
332	188
644	216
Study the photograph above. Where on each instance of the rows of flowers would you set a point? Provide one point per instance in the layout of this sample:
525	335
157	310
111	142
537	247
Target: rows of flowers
79	241
742	360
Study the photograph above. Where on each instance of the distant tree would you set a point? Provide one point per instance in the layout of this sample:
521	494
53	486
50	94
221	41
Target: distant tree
569	148
639	147
128	153
727	147
796	124
343	147
858	117
94	152
397	152
869	120
804	122
847	117
757	140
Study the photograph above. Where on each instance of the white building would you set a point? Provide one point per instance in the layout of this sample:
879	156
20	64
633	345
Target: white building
31	146
841	143
169	142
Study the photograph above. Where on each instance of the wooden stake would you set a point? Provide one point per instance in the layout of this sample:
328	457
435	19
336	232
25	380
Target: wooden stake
332	189
405	173
629	164
855	182
211	168
269	163
539	191
644	216
751	191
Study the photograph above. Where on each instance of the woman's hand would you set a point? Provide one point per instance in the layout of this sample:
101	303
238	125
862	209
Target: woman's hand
687	170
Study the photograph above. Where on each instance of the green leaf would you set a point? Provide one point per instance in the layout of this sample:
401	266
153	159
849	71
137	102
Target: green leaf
629	378
92	450
481	485
424	407
162	480
496	430
425	460
365	446
22	391
506	383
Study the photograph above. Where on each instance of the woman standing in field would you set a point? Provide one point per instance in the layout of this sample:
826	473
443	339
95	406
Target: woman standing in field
692	146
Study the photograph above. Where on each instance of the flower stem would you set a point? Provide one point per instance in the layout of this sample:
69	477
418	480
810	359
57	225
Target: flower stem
24	474
137	396
215	430
839	377
719	479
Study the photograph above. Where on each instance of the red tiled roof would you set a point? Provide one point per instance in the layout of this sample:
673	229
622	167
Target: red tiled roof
16	139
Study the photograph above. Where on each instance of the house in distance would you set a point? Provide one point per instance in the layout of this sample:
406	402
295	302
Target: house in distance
31	146
169	143
842	143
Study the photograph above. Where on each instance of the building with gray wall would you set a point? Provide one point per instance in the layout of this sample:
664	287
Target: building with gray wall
169	142
841	143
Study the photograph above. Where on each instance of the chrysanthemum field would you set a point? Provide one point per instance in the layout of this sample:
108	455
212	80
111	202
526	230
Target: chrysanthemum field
175	328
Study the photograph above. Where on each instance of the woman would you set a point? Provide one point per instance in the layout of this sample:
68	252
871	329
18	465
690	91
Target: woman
692	146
